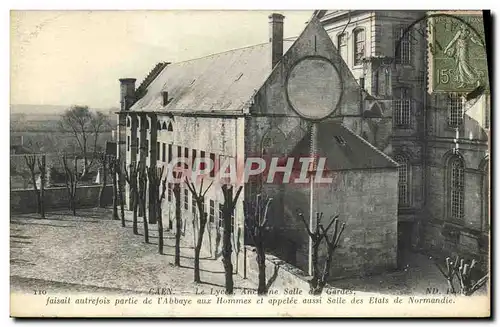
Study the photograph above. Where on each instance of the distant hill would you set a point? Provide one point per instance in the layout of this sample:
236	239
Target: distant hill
48	112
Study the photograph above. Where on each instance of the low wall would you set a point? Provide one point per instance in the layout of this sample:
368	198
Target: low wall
287	276
24	201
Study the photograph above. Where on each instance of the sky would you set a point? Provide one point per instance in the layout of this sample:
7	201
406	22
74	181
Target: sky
77	57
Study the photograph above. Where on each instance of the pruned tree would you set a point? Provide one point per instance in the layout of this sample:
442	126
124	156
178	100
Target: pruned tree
319	278
199	197
71	178
142	176
42	167
227	212
103	159
31	161
158	188
121	199
463	272
131	178
178	223
255	222
112	169
86	127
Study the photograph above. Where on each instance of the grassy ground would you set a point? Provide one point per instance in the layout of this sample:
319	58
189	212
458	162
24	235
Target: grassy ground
93	250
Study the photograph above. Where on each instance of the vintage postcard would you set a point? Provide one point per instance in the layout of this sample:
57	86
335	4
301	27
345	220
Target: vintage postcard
322	163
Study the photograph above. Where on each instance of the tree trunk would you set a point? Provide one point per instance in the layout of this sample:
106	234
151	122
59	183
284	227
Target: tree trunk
144	218
261	263
115	198
160	231
42	191
197	251
135	205
103	188
177	193
121	198
226	252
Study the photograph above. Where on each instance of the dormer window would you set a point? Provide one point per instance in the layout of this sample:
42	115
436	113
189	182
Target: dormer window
164	95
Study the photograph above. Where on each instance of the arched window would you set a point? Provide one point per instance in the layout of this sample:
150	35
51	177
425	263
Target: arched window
147	123
164	125
402	107
128	121
359	46
342	45
170	128
456	187
404	180
455	110
158	126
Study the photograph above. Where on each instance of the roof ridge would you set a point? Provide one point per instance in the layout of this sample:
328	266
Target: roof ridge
226	51
370	145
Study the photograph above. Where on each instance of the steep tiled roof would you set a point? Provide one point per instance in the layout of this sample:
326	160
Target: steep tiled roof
343	149
221	82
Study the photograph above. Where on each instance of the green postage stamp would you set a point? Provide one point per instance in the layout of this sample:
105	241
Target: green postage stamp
457	52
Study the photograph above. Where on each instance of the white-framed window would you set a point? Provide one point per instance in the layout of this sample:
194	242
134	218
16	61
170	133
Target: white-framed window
404	179
359	46
455	110
402	105
456	187
402	45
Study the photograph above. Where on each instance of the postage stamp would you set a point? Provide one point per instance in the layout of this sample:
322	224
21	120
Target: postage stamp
181	164
458	52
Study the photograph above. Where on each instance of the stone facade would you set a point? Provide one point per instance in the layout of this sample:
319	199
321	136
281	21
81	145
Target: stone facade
217	117
426	140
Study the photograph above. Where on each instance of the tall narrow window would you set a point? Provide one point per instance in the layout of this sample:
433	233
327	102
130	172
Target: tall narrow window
402	108
128	121
402	45
169	193
128	143
342	45
221	216
212	211
455	110
163	152
404	178
186	199
359	43
456	186
169	159
213	163
193	157
487	113
157	150
138	144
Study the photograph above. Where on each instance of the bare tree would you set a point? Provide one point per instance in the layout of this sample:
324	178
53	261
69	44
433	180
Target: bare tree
42	167
227	212
104	163
131	177
255	223
112	169
178	223
142	175
121	199
199	197
72	179
462	271
155	180
318	281
31	163
86	127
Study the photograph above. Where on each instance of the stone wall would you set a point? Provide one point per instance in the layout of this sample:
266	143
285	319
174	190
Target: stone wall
24	201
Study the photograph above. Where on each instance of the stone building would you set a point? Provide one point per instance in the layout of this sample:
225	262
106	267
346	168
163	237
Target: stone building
440	139
261	101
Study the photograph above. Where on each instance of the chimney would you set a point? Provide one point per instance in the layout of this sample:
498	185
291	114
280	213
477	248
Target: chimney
127	93
276	37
